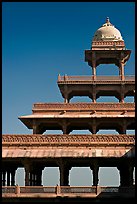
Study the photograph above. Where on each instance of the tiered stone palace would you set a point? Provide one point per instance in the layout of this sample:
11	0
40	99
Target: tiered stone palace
37	151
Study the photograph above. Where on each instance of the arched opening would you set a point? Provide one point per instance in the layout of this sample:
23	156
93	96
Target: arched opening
107	132
129	99
112	99
80	176
50	132
50	176
109	176
108	127
107	70
80	99
80	132
130	132
20	177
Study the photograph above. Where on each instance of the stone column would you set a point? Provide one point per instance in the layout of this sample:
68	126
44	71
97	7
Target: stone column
94	71
64	127
8	177
94	127
121	69
27	166
13	177
94	65
3	177
124	127
95	169
134	94
122	93
94	93
126	174
122	97
34	178
66	100
131	180
30	179
26	177
64	175
37	173
38	177
36	128
33	173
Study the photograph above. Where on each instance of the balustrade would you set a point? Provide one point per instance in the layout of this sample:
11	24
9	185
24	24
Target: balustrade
98	78
81	190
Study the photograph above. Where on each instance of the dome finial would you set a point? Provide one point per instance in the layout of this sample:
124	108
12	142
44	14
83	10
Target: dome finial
107	20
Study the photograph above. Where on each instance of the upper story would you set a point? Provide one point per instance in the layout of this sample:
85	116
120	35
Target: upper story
107	47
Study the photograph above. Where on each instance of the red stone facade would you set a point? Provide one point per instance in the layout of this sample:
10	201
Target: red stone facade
65	150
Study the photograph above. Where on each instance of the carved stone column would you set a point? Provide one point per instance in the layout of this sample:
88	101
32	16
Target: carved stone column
126	174
94	65
3	177
124	127
13	177
94	71
36	127
8	177
66	98
122	93
8	174
64	127
94	127
30	178
95	169
64	174
121	69
94	93
38	177
27	165
134	95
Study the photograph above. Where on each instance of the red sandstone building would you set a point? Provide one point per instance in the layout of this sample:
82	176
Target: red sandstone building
37	151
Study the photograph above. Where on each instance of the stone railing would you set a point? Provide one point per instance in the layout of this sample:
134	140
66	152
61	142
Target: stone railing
65	78
9	189
84	106
79	189
37	189
66	190
67	139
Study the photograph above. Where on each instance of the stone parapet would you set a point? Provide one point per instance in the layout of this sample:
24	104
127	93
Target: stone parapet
83	106
53	140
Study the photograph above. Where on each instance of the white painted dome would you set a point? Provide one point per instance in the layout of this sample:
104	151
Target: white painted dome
107	32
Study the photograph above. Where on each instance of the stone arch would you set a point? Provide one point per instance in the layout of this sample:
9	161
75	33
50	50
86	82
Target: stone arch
80	176
109	176
50	176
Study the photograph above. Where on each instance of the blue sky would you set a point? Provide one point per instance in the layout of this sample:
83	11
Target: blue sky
42	39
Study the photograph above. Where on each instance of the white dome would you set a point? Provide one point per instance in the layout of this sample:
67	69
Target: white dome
107	32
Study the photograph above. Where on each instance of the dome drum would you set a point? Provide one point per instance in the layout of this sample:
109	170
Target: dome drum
108	45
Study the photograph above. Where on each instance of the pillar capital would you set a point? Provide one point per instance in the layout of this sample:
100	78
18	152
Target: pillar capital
27	164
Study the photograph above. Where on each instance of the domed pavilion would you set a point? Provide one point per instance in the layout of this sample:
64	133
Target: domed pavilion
107	47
